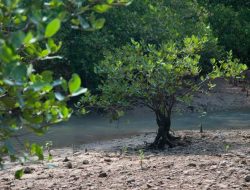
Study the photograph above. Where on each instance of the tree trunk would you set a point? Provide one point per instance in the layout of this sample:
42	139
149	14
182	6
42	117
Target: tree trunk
163	136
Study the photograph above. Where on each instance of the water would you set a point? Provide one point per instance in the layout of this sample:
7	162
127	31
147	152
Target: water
93	128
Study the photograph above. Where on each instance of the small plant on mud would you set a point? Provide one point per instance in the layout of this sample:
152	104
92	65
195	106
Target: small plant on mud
141	156
75	148
19	174
124	150
227	146
48	146
202	116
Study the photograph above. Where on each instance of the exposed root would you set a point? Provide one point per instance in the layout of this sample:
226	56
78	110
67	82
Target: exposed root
162	142
172	137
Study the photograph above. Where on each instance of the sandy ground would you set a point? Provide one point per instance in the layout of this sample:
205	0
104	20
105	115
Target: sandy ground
211	160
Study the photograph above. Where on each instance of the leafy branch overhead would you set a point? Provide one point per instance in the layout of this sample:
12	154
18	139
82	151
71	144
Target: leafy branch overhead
29	99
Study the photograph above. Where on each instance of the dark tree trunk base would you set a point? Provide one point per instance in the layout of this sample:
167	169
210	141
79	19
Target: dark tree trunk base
162	140
163	137
170	141
161	144
172	137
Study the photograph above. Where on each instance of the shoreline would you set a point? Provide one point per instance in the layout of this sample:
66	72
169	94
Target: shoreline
223	97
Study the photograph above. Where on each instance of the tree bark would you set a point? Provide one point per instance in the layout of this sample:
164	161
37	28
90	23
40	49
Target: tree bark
163	136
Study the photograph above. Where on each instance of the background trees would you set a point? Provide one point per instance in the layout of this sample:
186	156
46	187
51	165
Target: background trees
150	21
230	21
225	23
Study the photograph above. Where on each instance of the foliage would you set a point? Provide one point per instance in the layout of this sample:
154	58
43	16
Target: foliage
19	174
139	74
150	21
227	147
230	21
31	100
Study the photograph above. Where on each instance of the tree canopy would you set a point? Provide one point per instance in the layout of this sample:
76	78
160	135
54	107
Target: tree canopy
141	74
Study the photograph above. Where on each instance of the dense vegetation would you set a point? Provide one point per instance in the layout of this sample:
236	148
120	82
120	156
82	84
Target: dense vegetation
153	22
230	21
225	23
176	45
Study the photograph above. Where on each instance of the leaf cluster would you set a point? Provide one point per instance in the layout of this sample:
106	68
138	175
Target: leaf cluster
31	100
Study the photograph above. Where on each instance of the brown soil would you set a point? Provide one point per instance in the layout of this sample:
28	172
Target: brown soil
211	160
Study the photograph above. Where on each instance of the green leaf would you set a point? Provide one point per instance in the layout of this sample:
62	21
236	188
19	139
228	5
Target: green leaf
65	112
19	73
212	61
49	157
98	24
74	83
28	38
6	54
37	86
37	150
101	8
168	67
84	23
47	76
58	82
80	91
44	53
244	67
52	28
52	46
19	174
17	39
110	1
59	96
64	85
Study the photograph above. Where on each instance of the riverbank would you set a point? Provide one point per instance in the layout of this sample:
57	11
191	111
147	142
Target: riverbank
223	97
211	160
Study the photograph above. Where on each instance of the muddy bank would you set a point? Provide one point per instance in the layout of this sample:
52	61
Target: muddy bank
212	160
224	96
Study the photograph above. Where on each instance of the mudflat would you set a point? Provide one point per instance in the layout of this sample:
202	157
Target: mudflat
209	160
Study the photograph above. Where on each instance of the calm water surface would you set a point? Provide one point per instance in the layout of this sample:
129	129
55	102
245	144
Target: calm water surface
94	128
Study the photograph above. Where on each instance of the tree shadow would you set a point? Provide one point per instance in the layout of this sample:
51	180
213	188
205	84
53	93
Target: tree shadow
211	143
